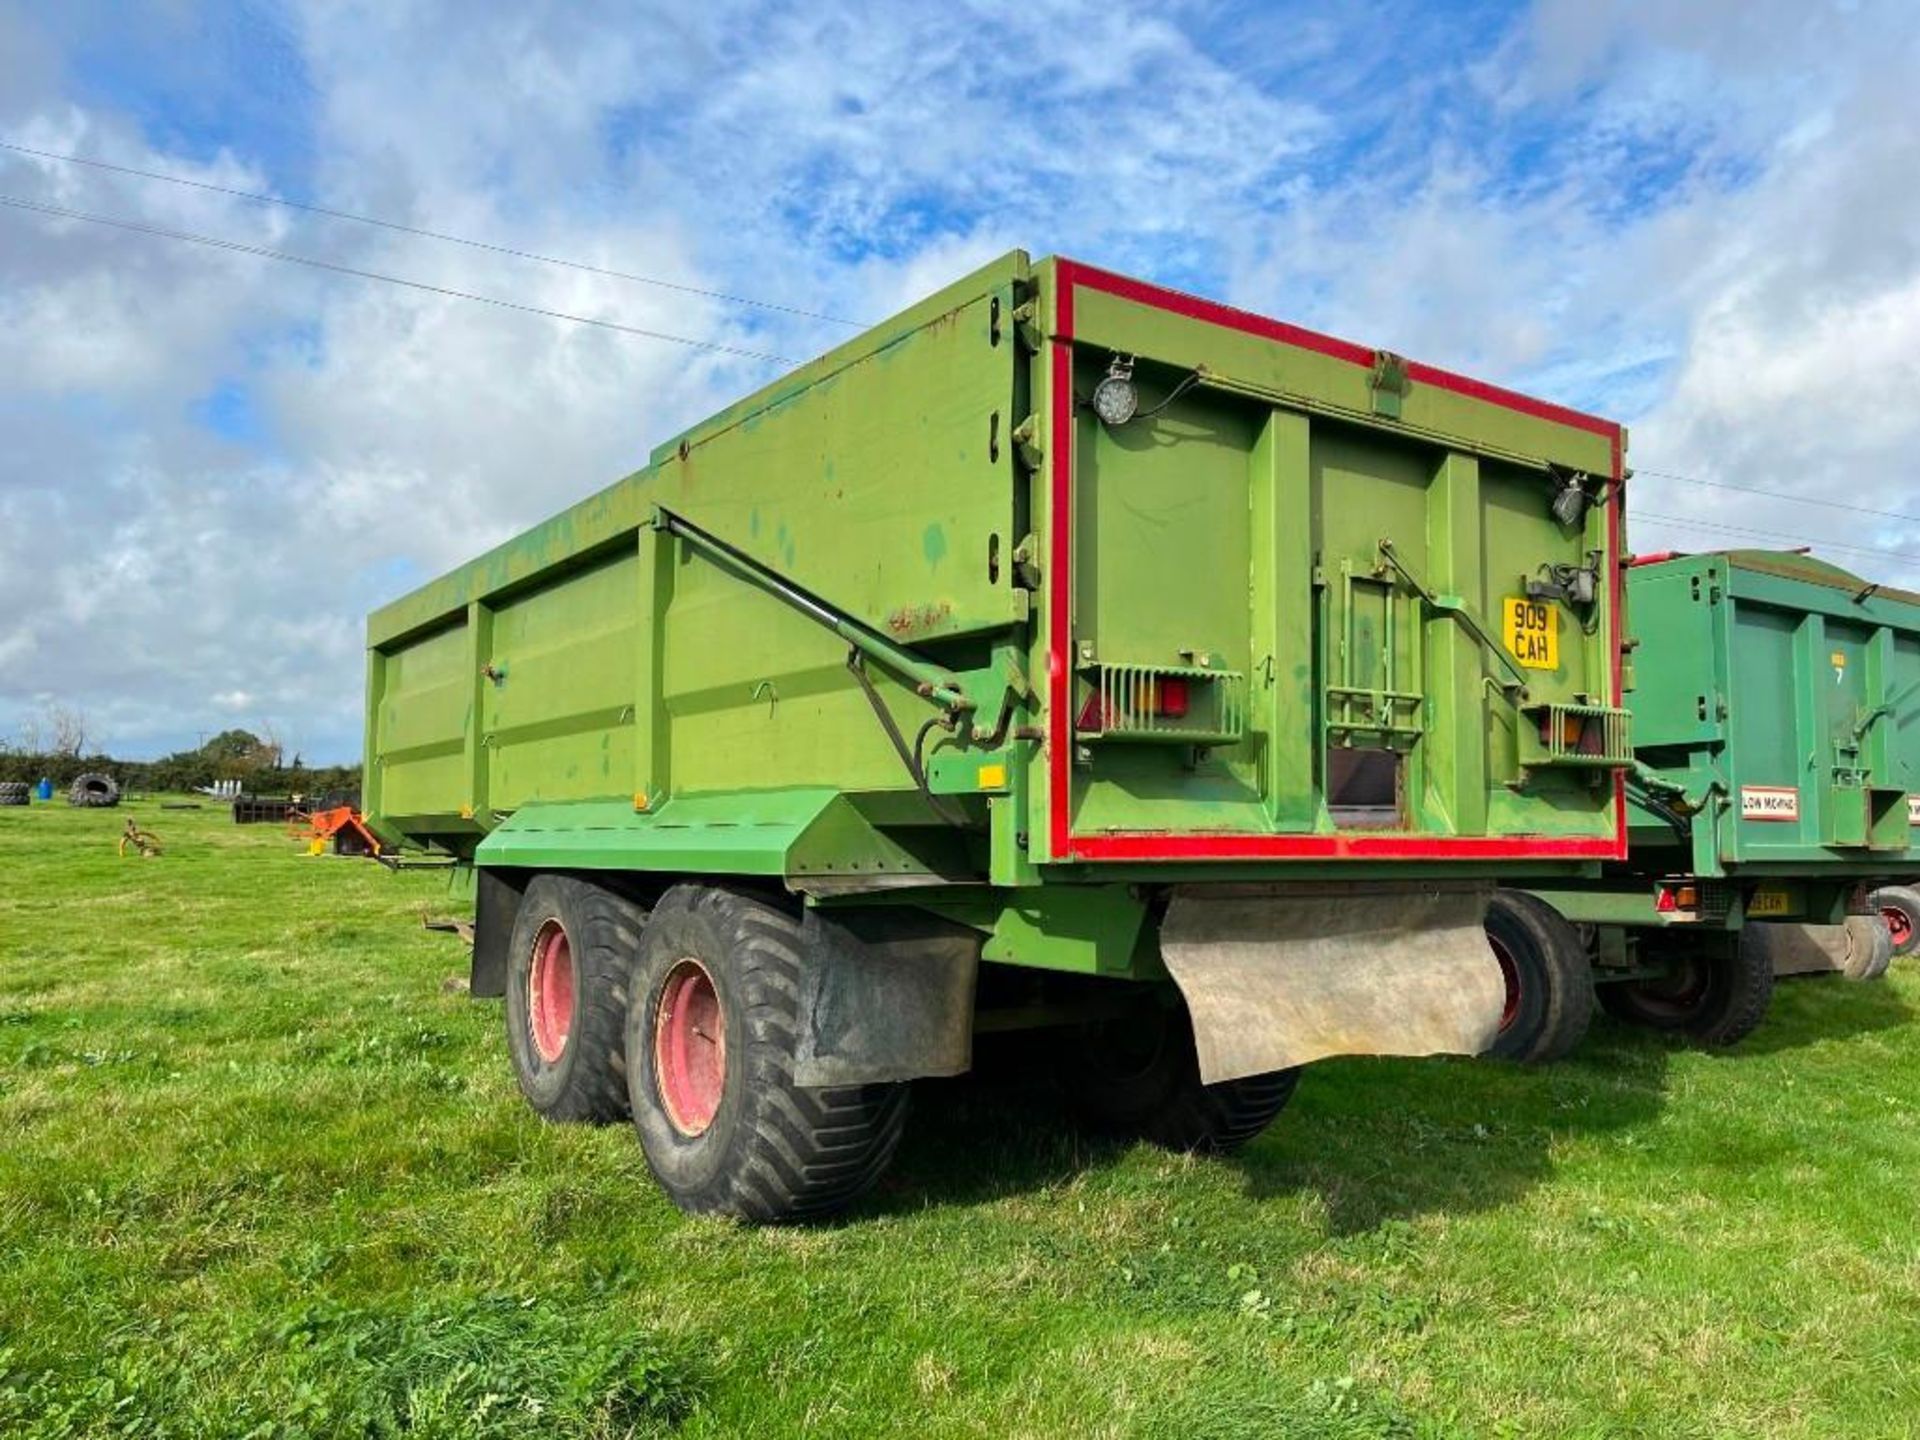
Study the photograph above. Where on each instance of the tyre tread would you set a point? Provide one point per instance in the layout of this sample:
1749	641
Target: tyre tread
800	1151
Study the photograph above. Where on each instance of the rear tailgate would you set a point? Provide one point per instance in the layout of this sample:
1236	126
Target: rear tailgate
1313	601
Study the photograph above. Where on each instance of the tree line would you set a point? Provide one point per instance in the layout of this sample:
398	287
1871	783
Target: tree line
59	752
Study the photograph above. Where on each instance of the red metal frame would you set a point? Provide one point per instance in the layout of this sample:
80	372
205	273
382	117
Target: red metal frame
1065	845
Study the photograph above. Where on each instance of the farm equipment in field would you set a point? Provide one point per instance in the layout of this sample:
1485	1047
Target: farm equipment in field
1775	791
263	809
340	829
143	843
1065	652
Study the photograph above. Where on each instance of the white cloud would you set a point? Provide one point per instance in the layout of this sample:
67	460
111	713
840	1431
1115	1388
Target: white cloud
1693	216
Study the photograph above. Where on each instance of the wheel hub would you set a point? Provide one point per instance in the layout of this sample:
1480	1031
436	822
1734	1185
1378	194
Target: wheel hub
1678	994
690	1048
1899	924
550	992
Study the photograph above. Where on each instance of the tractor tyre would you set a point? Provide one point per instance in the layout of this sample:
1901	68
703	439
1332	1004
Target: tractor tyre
1549	981
1899	906
94	791
15	793
1138	1076
1715	996
712	1032
569	963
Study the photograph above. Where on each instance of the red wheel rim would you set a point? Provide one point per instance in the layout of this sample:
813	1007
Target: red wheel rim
690	1048
1898	925
1510	973
550	992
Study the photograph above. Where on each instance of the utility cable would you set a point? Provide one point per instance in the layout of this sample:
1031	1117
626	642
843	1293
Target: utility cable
268	254
426	234
1779	495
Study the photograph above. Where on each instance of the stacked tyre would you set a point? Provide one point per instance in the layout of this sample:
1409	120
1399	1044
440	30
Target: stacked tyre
94	792
14	792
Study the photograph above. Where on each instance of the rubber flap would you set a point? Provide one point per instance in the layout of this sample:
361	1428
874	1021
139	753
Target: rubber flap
1276	978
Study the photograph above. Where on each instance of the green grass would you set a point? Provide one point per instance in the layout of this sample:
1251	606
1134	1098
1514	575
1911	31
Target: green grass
263	1171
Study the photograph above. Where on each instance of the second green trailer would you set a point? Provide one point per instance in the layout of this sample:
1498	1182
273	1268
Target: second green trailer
1775	789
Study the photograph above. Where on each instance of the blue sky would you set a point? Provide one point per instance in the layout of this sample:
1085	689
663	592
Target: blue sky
1684	216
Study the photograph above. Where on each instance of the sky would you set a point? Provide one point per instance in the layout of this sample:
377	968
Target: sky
1701	218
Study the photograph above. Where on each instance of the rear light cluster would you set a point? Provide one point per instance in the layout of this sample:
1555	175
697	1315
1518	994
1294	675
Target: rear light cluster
1577	735
1162	697
1676	899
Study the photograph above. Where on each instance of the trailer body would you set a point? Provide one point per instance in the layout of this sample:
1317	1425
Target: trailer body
941	482
1776	724
1776	786
1120	632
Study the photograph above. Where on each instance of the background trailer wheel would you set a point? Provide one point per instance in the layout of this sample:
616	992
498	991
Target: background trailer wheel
1139	1075
1549	980
712	1034
1899	907
571	953
1859	947
1714	988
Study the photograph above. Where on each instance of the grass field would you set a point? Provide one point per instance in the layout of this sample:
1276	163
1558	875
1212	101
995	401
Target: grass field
265	1173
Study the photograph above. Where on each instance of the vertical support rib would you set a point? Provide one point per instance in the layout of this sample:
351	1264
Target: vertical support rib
1813	732
1877	696
1283	686
1456	760
372	780
652	728
478	754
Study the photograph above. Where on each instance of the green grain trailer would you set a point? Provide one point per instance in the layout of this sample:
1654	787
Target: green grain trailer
1066	652
1776	727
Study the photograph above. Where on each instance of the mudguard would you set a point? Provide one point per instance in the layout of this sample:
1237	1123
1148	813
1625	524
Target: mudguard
1279	976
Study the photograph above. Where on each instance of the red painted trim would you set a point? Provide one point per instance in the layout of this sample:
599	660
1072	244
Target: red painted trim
1072	273
1154	845
1506	399
1063	844
1059	587
1617	585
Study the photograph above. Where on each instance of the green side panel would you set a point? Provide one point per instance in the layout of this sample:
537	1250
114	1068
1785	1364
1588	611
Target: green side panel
558	723
423	713
1679	684
594	657
757	695
793	834
885	486
1784	694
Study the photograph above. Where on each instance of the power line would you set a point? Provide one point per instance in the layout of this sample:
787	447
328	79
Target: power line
394	225
1773	535
1780	495
338	269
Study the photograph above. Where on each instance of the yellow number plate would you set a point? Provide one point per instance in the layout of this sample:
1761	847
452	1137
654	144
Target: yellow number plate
1533	633
1769	902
